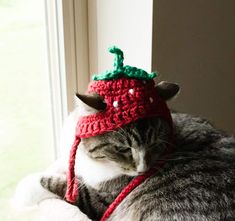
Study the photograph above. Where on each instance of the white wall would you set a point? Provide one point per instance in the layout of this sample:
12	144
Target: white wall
124	23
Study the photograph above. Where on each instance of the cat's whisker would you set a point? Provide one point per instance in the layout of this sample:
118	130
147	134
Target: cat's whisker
176	159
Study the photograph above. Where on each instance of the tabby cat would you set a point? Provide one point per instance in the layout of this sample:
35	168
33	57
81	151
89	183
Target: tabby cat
197	181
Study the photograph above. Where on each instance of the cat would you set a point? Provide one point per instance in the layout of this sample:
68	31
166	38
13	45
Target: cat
197	181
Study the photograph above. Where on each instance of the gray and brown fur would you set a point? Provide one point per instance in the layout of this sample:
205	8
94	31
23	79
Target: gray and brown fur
196	183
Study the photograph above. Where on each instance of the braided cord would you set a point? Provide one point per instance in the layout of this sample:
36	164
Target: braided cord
72	185
131	186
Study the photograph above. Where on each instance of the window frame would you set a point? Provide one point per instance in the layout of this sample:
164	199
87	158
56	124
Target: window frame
74	45
67	45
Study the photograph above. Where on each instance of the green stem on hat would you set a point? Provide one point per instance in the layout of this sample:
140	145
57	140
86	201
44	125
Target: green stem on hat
118	59
123	71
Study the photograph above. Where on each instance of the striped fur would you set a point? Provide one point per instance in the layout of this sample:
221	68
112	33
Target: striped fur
196	183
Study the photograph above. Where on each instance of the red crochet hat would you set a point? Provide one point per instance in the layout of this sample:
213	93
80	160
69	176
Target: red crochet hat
129	94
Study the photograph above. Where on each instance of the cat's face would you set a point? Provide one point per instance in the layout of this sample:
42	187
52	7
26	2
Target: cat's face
130	150
133	149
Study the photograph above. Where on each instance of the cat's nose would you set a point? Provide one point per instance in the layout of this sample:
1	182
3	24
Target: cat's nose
141	168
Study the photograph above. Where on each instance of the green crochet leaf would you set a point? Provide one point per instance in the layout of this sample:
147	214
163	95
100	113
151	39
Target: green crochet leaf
123	71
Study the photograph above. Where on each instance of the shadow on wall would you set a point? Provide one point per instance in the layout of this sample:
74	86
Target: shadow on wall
194	45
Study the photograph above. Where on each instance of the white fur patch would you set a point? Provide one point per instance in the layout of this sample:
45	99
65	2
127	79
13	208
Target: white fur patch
142	167
93	172
68	131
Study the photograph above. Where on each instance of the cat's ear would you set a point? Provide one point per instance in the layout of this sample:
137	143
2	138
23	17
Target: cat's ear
89	104
167	90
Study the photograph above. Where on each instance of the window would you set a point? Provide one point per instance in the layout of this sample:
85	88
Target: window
30	95
41	70
44	59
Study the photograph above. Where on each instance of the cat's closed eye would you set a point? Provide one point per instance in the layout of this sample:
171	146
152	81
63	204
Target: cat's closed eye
124	150
99	157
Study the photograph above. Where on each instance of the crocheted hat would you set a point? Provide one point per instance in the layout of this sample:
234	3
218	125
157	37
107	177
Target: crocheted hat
129	94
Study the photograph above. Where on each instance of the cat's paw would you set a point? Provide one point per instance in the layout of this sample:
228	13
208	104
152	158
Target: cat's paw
30	193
